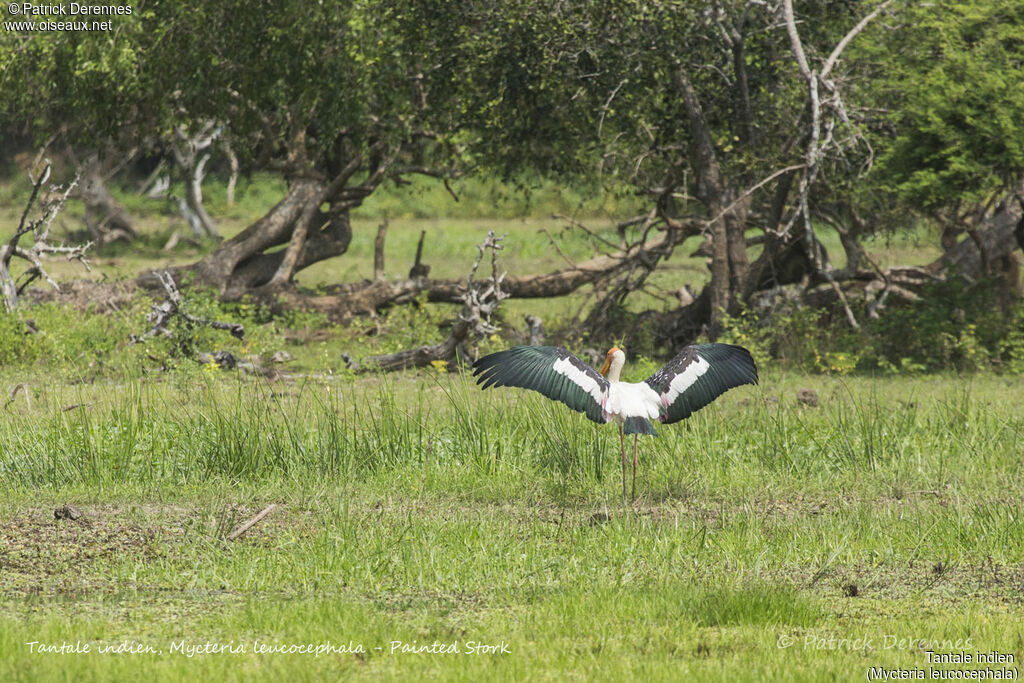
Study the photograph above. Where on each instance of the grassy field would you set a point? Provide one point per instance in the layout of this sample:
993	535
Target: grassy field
425	529
770	540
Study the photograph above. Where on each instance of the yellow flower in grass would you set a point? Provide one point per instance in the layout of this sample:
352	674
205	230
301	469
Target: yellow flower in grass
440	366
836	362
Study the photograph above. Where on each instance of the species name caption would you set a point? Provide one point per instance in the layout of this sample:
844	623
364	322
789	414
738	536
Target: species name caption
974	666
191	649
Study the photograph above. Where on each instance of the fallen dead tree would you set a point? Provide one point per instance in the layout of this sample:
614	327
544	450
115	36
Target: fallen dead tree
988	252
50	204
480	300
367	298
174	307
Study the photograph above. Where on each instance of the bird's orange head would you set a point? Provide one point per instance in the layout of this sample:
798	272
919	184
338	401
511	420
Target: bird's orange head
608	360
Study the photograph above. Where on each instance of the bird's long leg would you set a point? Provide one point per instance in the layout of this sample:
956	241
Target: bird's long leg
635	437
622	444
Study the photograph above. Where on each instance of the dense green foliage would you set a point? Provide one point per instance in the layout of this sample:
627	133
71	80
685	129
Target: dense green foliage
955	328
337	76
584	89
953	88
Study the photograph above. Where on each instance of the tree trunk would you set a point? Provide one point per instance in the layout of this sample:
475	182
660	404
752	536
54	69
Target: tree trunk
190	152
248	261
194	198
735	229
106	218
992	240
726	214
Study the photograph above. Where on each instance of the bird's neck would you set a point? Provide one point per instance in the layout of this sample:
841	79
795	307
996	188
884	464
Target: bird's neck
615	369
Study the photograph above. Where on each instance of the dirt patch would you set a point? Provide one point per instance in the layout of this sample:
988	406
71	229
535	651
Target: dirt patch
37	550
88	295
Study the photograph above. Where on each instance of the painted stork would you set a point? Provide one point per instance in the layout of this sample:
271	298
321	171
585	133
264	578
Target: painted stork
694	378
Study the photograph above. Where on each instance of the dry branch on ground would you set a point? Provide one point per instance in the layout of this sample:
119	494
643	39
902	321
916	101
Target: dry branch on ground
480	300
164	313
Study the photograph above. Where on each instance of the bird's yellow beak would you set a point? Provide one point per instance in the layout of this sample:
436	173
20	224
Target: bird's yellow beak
608	360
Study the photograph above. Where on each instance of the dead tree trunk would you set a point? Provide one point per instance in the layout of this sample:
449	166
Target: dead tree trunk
229	152
480	301
378	252
106	219
174	307
190	154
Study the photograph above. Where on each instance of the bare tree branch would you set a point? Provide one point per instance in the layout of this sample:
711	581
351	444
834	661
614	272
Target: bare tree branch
162	315
850	35
50	205
189	150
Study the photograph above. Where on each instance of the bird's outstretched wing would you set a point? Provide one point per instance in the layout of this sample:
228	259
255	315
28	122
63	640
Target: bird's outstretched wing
552	371
698	375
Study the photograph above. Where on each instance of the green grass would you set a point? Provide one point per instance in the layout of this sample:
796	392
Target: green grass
418	509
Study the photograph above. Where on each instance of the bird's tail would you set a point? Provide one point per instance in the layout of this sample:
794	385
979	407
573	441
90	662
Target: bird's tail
638	425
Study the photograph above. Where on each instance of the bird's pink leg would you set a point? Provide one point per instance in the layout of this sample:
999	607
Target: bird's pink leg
622	444
635	437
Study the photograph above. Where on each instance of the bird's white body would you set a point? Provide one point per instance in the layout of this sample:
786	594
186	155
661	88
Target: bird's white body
631	399
637	399
620	400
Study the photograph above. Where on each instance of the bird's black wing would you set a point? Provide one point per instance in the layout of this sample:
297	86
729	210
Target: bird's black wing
698	375
552	371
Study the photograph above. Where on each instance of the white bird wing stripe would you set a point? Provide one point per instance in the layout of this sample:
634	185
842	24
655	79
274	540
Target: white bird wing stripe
552	371
698	375
581	379
685	379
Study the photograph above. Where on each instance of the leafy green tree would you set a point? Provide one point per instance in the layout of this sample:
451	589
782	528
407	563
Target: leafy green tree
73	93
954	91
704	107
336	96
